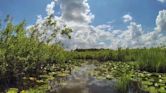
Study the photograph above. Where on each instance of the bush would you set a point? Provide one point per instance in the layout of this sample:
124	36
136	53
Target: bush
23	52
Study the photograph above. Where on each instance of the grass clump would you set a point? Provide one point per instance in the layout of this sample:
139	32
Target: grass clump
123	84
153	60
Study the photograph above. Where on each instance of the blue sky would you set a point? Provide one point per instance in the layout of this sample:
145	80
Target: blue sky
23	9
143	11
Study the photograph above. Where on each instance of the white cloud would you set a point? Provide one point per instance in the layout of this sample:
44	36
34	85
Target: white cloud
77	11
127	18
161	21
77	15
130	37
162	1
107	27
50	8
45	31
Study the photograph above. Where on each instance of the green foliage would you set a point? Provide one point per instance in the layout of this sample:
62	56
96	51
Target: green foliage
123	55
123	84
12	90
153	60
41	89
23	53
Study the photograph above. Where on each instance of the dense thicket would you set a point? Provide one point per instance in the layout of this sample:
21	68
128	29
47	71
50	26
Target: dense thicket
23	53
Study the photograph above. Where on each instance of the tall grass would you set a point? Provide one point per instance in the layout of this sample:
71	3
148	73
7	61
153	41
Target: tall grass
153	60
123	55
123	84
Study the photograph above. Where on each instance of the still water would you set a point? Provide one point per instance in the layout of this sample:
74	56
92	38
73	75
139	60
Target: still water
80	81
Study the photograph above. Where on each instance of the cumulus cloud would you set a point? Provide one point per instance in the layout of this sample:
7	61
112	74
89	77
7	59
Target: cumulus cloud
77	15
50	9
161	21
107	27
127	18
104	36
77	11
47	27
162	1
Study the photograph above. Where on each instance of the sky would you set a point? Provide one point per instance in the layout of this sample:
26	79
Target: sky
104	23
144	11
23	9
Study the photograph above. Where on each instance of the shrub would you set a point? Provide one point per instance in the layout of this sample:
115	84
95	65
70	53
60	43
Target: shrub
24	52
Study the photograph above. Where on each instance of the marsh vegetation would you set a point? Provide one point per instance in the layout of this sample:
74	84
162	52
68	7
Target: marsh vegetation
29	64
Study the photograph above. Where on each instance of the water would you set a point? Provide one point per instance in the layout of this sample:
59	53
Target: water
80	81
